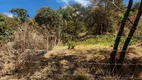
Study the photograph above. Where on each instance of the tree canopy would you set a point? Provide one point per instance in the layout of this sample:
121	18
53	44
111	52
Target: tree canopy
20	13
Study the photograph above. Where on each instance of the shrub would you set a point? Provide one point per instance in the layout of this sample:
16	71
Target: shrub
5	28
71	45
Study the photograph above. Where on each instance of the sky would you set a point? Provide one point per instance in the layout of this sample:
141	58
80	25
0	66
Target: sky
33	5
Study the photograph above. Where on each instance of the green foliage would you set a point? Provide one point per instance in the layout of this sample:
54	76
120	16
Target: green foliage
73	29
17	19
70	44
98	40
121	16
138	33
6	27
4	32
48	16
103	40
10	22
101	18
66	13
73	17
2	37
72	22
20	13
136	6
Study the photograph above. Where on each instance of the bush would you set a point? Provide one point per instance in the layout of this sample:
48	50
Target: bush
73	30
5	28
71	45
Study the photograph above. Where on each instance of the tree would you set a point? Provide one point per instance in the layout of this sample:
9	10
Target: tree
50	21
102	16
20	13
117	41
100	21
47	16
130	35
74	22
136	6
114	3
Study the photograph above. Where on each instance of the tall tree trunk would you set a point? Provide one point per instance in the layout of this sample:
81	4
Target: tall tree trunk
131	33
115	48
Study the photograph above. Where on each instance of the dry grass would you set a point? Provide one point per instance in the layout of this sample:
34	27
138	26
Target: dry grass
27	45
95	55
29	38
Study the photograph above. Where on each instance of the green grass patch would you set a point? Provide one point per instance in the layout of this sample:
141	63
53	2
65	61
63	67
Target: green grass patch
103	40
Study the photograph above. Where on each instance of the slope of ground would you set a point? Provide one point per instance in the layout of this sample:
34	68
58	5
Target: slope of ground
81	63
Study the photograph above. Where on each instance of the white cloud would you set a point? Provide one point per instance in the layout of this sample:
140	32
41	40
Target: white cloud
8	14
82	2
66	2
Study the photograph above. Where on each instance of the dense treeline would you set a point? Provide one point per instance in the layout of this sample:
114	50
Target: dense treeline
72	22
